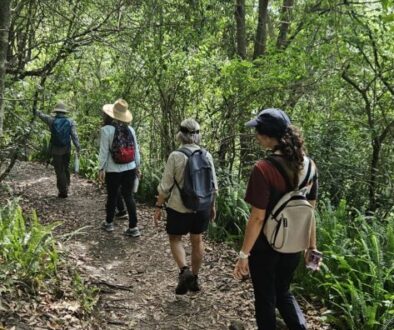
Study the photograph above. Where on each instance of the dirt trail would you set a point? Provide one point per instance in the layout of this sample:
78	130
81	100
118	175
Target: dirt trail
136	277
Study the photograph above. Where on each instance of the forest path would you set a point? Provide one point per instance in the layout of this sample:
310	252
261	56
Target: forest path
136	276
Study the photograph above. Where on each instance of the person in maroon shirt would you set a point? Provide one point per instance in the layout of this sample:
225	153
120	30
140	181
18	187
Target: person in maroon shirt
272	271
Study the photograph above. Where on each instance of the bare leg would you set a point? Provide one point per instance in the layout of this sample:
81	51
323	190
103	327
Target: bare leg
197	252
177	250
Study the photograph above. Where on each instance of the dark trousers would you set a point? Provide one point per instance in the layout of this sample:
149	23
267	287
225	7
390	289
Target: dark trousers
272	273
62	169
123	182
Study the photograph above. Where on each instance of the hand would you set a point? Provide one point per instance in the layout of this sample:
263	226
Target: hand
308	260
241	269
101	176
138	172
157	216
213	213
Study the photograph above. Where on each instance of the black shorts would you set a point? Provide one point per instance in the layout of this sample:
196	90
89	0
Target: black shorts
184	223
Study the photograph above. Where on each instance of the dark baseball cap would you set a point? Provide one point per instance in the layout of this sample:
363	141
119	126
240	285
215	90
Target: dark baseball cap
272	122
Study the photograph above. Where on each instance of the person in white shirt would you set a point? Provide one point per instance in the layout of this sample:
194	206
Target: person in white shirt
118	176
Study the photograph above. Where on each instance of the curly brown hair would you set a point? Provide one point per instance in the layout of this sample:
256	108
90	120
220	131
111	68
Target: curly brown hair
291	145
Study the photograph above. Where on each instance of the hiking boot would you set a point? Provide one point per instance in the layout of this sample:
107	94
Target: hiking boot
185	277
193	284
107	226
133	232
121	215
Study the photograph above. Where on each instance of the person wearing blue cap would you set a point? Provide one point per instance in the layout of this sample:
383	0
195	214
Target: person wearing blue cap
272	271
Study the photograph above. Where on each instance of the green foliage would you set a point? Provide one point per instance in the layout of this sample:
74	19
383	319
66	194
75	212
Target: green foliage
27	251
357	278
147	190
88	165
232	212
87	295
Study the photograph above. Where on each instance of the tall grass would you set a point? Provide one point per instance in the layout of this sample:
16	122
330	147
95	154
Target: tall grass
27	251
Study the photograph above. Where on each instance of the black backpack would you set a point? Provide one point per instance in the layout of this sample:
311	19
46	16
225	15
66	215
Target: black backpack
61	132
123	146
198	187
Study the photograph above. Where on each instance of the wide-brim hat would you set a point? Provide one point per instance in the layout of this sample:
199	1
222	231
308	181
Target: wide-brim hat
60	107
119	111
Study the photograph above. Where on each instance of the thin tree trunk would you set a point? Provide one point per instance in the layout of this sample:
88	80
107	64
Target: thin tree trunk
5	14
285	24
261	31
374	170
241	28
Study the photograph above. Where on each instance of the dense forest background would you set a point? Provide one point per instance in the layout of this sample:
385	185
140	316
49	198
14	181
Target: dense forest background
328	63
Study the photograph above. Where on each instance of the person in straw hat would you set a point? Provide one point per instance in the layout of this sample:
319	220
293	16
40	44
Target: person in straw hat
63	130
118	169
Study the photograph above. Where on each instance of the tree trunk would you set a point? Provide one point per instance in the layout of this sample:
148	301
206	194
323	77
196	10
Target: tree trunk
241	28
261	31
5	14
285	24
376	147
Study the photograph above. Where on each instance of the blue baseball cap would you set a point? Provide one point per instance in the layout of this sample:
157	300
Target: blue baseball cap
272	122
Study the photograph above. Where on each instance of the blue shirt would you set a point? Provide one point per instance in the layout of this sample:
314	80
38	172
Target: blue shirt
106	162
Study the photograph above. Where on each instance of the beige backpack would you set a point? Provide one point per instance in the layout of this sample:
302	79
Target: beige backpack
289	226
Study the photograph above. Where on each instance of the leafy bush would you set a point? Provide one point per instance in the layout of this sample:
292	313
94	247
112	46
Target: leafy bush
232	212
27	251
147	190
357	278
88	166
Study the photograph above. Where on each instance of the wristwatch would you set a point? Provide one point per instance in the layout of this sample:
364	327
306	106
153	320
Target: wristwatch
243	255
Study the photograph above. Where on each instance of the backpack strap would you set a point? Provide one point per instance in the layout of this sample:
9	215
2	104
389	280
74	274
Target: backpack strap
308	173
187	152
281	170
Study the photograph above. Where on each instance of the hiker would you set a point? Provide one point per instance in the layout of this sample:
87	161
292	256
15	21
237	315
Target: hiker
194	218
120	210
272	271
119	162
63	130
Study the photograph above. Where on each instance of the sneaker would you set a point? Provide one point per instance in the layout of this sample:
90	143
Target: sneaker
193	284
133	232
107	226
121	215
185	277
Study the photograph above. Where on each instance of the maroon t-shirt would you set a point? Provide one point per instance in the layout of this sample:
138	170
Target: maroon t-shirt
265	188
267	185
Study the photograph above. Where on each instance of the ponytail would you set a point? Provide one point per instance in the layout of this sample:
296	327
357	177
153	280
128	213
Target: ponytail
291	145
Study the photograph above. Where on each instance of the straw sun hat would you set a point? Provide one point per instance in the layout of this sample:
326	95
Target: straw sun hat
119	111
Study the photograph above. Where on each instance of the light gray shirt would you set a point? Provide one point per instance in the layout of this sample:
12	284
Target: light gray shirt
106	162
174	170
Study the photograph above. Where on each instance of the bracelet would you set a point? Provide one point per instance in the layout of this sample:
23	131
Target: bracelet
243	255
159	206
